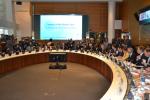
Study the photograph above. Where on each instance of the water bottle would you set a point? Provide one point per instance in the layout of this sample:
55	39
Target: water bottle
142	77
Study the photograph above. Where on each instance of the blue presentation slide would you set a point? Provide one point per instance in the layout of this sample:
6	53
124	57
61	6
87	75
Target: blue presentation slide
61	27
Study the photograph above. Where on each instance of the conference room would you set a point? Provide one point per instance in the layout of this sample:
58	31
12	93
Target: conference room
74	50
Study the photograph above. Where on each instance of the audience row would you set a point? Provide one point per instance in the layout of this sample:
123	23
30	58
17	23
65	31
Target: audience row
122	49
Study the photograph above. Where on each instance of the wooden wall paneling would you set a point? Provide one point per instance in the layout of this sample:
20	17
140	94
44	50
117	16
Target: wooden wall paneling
7	65
130	24
1	67
22	61
10	65
36	58
102	68
43	59
27	60
84	60
99	67
93	63
97	12
19	62
69	57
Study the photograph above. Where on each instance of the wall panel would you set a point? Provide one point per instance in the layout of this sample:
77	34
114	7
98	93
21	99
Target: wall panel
97	12
130	24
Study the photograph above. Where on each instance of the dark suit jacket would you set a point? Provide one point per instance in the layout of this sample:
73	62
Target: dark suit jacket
132	57
143	57
119	54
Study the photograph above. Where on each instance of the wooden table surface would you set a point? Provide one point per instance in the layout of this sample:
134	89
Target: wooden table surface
112	72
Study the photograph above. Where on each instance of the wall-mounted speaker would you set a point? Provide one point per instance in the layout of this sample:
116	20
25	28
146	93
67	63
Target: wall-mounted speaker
18	3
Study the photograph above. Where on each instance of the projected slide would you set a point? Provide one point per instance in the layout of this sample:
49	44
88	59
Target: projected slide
61	27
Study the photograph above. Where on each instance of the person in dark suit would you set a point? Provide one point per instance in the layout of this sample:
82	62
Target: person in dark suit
127	41
113	50
120	52
117	41
143	58
132	55
140	51
50	44
9	44
17	48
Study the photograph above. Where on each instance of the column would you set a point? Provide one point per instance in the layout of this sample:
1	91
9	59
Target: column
9	16
2	13
1	9
111	20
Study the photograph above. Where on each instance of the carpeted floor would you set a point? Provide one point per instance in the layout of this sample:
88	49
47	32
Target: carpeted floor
37	82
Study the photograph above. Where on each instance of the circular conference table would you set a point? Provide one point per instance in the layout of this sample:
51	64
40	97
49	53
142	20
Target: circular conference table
111	71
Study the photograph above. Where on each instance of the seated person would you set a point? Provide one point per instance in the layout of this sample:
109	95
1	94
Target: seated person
144	59
119	52
29	47
17	48
50	44
87	47
124	56
113	50
127	41
148	68
140	51
132	55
